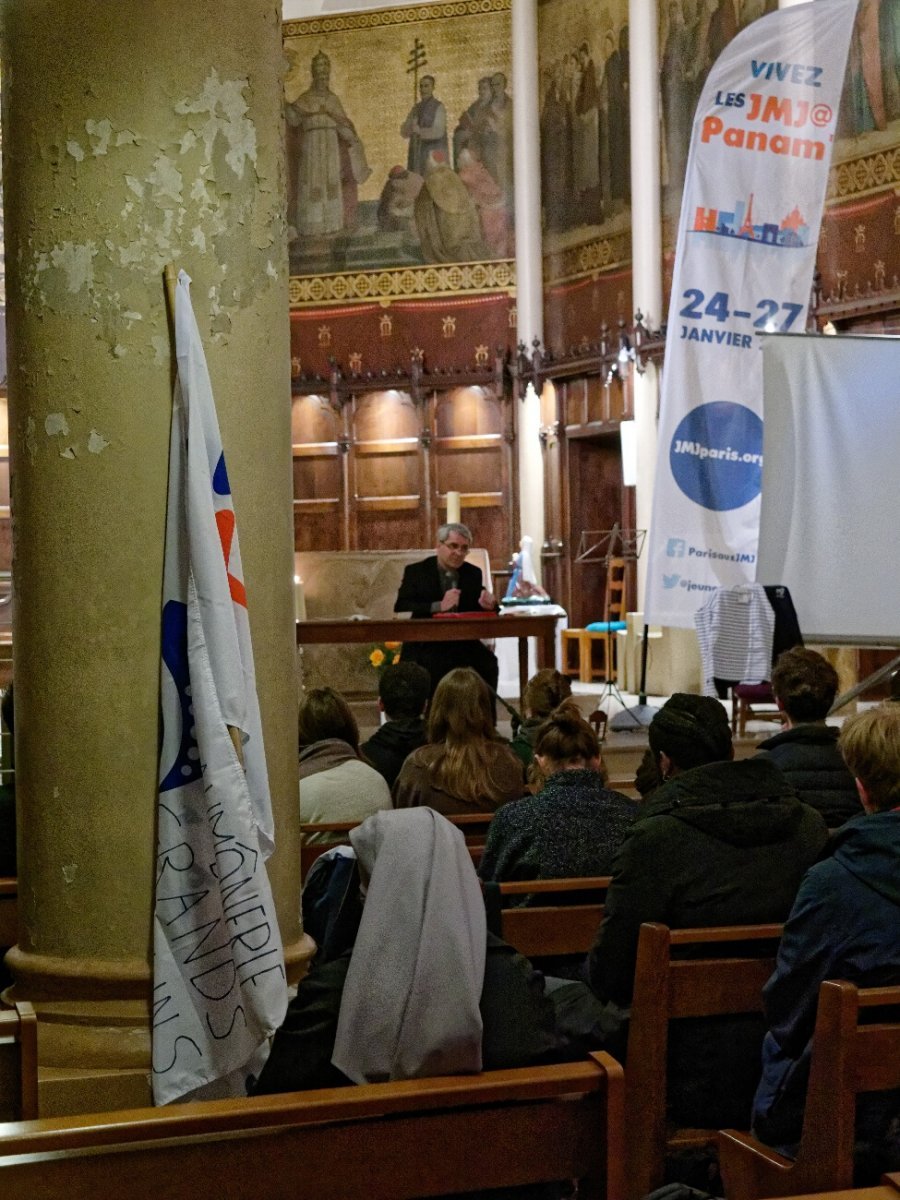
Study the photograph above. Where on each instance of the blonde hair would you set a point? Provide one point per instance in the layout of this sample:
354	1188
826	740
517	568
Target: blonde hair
461	721
870	744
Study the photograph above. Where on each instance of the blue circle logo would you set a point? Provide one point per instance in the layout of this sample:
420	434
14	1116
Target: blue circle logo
716	455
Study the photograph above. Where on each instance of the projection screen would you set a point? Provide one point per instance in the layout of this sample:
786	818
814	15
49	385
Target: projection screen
830	516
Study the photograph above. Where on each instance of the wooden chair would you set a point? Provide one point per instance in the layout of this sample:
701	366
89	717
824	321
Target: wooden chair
745	701
9	919
384	1141
614	609
668	989
847	1058
18	1063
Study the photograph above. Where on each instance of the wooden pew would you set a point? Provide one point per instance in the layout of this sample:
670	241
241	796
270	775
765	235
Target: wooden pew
541	931
9	920
388	1141
18	1063
847	1058
473	825
667	989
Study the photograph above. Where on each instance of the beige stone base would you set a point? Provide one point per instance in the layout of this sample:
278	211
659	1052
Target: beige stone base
94	1051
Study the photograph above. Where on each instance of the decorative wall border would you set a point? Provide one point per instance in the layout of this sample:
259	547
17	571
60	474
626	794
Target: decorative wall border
316	26
402	283
864	176
598	255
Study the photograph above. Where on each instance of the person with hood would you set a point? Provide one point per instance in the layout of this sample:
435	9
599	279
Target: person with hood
421	988
806	750
335	783
845	924
403	692
718	843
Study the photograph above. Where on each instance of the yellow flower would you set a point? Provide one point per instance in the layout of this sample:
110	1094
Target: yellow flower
376	658
392	645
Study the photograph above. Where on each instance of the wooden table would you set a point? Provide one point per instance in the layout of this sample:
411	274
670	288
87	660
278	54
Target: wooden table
329	631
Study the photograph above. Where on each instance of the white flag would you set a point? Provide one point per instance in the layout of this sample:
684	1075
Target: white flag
750	216
219	988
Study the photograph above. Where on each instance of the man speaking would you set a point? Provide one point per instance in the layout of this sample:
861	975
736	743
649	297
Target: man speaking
446	583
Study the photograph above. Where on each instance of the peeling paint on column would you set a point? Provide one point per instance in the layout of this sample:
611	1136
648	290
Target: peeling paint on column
97	443
194	188
56	424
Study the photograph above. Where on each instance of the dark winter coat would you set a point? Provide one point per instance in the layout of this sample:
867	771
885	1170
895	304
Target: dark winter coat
722	844
845	924
574	826
809	759
387	749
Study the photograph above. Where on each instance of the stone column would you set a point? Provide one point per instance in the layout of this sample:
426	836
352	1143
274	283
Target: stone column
157	139
646	224
529	275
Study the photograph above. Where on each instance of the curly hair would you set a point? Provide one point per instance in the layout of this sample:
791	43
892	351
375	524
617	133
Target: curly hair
545	691
805	683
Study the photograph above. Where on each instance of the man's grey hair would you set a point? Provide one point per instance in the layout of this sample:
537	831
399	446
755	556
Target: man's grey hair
444	531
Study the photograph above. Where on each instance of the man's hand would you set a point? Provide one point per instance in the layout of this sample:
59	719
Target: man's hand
486	600
450	600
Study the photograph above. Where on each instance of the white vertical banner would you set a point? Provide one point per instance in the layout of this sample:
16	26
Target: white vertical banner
219	988
750	216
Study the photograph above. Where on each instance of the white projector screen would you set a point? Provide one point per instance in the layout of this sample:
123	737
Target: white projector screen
830	517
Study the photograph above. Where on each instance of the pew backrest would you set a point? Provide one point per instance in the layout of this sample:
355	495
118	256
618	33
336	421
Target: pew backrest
329	834
18	1063
849	1056
668	988
387	1141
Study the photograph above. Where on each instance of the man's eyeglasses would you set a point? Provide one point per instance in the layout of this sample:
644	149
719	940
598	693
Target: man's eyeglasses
459	547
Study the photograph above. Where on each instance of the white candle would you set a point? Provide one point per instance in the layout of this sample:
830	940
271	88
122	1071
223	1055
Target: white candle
299	600
453	508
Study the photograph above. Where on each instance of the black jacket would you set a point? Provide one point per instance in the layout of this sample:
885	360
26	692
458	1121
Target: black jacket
421	587
388	747
810	761
722	844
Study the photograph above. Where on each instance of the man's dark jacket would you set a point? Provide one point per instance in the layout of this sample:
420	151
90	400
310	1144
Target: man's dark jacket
421	587
808	757
845	924
388	747
722	844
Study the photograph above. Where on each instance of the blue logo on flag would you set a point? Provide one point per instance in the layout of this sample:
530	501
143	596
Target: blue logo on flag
716	455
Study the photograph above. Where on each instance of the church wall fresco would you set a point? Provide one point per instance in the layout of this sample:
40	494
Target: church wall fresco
585	168
399	136
859	246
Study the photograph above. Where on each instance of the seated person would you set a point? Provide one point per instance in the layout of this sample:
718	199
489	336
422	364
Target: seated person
465	767
544	692
845	924
806	750
403	692
446	583
573	826
718	843
335	783
423	989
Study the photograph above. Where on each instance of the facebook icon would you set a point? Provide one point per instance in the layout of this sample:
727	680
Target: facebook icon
676	548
